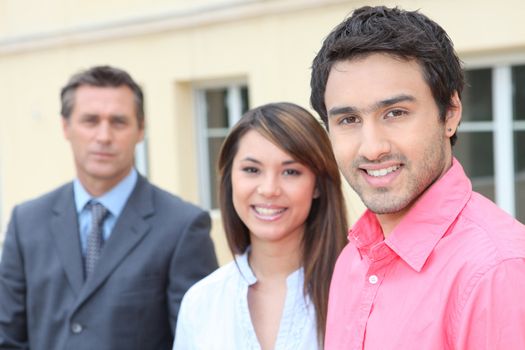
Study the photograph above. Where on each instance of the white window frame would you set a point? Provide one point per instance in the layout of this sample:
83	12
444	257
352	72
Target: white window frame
141	157
234	103
502	125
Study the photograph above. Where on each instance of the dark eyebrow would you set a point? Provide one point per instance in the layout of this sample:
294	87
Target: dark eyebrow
342	110
378	105
253	160
113	116
250	159
119	117
89	115
393	101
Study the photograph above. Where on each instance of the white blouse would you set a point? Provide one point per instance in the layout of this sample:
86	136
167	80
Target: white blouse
214	313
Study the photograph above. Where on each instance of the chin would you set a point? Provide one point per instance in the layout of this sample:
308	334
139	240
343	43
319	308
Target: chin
386	206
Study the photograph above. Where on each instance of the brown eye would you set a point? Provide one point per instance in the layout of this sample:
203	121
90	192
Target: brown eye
349	120
119	122
89	120
291	172
396	113
250	170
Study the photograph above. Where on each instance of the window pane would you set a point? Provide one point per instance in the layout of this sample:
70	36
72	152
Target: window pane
519	166
244	99
518	81
217	108
477	95
224	105
214	145
475	152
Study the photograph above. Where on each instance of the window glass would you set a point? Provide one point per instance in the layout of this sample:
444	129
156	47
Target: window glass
518	81
244	99
475	152
477	95
217	108
519	166
223	106
214	145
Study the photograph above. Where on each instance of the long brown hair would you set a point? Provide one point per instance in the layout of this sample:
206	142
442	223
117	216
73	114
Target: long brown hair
294	130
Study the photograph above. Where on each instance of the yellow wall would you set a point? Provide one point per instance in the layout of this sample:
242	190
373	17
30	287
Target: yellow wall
169	46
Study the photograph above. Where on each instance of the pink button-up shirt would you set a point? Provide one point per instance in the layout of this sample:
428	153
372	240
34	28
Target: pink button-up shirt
450	276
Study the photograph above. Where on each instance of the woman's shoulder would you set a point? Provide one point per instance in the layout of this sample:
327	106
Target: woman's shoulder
214	284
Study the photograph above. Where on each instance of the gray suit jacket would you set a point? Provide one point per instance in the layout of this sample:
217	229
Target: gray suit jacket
159	247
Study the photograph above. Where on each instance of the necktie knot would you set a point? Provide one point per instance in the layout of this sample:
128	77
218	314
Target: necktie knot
98	213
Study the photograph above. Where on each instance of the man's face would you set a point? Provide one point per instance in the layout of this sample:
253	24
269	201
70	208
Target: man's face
386	132
103	130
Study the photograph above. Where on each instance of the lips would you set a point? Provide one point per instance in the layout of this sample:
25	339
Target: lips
102	154
268	213
382	172
381	175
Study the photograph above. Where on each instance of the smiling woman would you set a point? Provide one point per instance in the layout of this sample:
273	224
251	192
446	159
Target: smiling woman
272	193
284	217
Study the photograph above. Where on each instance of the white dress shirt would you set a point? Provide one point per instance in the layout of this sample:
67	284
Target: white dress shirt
214	313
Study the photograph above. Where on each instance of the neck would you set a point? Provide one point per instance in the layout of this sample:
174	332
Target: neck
96	187
270	261
389	221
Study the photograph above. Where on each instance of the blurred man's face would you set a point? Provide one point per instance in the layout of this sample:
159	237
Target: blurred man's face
103	131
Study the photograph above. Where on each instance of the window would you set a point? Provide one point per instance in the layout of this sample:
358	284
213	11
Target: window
491	137
218	109
141	157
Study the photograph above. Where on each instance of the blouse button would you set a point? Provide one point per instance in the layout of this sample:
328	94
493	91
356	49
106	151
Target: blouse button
373	279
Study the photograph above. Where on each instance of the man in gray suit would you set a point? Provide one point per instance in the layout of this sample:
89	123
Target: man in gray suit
102	262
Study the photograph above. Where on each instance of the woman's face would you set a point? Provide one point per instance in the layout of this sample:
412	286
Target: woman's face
272	193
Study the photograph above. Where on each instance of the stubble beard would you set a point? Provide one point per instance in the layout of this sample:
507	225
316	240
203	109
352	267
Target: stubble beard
385	200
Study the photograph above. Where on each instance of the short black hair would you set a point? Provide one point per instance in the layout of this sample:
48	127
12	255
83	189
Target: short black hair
404	34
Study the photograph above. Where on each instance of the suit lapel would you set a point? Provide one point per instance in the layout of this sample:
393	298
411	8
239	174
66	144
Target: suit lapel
64	229
129	230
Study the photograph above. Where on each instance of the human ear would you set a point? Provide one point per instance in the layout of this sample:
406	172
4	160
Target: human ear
65	127
453	116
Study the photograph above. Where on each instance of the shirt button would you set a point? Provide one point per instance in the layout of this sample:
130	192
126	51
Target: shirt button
76	328
373	279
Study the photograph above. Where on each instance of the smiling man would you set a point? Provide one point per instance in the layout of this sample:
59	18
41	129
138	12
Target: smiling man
431	264
101	262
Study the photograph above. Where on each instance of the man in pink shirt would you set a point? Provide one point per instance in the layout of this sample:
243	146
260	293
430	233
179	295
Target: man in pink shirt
430	264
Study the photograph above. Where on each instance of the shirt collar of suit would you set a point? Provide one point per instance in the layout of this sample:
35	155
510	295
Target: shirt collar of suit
114	200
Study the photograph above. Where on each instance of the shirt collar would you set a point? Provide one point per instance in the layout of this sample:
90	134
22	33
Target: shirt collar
244	268
247	273
114	200
416	236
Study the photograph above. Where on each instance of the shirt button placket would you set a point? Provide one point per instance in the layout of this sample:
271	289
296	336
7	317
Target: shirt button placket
373	279
367	301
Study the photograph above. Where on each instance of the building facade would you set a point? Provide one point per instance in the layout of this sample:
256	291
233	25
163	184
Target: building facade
203	63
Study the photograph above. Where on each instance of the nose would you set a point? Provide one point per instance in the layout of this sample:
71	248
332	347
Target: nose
374	142
104	133
269	186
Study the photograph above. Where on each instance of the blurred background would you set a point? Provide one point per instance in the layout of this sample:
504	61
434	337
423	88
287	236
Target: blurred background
202	63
